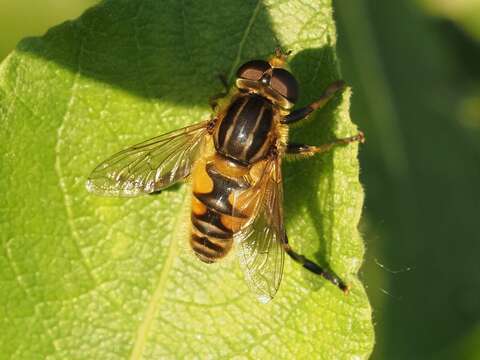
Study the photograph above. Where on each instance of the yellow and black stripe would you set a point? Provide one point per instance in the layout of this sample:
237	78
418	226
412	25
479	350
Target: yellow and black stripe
213	223
242	137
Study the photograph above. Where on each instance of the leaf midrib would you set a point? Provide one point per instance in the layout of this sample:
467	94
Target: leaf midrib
252	19
152	308
145	327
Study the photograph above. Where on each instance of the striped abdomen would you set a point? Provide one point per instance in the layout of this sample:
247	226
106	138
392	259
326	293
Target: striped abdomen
244	133
213	226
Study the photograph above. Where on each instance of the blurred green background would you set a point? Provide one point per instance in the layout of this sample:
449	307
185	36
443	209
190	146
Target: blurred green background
415	69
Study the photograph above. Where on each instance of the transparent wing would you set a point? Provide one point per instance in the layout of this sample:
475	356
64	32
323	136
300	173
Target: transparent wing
151	165
260	249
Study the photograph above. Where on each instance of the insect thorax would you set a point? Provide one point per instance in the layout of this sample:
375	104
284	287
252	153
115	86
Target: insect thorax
245	133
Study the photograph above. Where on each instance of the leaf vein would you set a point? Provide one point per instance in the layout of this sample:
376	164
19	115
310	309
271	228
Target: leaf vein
12	264
158	294
63	186
244	39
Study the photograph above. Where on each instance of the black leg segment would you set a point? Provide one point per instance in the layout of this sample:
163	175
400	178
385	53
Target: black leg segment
314	268
302	113
213	101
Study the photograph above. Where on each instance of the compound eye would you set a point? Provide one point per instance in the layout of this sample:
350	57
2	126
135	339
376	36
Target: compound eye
285	84
253	70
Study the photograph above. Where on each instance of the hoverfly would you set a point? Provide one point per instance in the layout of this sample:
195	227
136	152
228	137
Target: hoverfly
234	163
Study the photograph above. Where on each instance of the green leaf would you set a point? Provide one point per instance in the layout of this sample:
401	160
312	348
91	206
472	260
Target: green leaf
96	278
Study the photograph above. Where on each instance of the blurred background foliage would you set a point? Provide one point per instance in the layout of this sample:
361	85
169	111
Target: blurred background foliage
414	68
21	18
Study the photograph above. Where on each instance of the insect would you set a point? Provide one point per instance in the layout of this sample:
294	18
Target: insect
234	163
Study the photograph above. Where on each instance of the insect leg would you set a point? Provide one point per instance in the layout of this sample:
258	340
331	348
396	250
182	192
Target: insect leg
213	101
309	150
302	113
314	267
